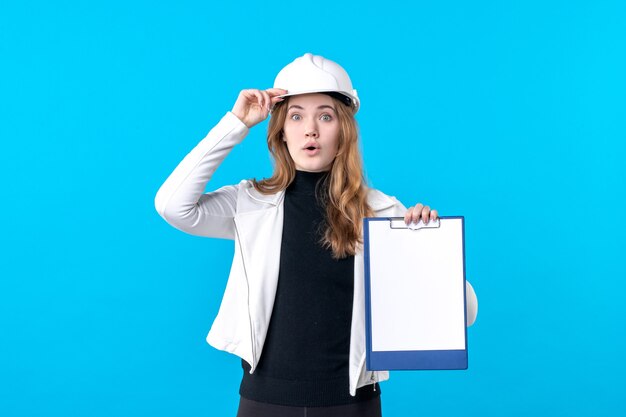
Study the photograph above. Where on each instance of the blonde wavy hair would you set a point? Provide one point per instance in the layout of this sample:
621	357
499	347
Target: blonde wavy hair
346	201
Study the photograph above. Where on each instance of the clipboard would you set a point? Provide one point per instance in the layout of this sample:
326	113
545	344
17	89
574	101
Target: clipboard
415	312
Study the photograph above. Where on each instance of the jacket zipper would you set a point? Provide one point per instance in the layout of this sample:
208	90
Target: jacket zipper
245	272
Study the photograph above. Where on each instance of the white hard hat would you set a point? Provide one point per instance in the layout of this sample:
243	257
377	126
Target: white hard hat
316	74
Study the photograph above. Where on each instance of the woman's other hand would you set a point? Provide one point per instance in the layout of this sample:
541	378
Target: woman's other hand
253	106
420	211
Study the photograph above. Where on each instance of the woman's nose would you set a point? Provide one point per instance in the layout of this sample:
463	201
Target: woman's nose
310	130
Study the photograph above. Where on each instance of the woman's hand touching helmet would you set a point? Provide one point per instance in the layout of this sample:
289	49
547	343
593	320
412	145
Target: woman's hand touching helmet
253	106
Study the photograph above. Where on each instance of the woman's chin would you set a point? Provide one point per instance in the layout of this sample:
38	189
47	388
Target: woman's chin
313	169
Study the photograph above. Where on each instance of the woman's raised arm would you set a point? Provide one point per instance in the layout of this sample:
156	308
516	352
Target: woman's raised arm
180	200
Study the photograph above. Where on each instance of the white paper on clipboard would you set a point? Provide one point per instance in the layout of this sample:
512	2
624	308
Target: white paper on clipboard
415	296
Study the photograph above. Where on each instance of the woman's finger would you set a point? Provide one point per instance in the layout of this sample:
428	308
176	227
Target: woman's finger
267	101
276	91
276	99
420	212
250	98
249	94
259	97
407	215
253	97
413	214
425	214
417	212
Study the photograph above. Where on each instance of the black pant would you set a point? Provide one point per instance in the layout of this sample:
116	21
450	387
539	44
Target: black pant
249	408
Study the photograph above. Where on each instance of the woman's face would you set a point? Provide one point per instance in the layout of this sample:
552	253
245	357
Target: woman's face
311	131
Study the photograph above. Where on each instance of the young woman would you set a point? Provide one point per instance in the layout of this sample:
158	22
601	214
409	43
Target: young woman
293	308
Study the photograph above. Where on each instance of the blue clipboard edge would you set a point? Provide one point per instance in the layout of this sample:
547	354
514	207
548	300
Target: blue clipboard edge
399	360
427	360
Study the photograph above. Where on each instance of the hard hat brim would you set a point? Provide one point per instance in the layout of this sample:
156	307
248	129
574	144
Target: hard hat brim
354	100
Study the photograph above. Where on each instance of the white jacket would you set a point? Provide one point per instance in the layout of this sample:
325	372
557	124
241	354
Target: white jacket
255	221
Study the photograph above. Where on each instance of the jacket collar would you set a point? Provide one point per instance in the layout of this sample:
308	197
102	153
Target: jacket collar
273	199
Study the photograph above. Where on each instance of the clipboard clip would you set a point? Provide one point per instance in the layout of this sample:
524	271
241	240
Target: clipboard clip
398	223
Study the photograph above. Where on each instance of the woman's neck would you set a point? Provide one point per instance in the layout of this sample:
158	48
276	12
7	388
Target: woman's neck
307	182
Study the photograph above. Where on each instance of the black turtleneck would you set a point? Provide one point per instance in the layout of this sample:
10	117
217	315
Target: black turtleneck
305	356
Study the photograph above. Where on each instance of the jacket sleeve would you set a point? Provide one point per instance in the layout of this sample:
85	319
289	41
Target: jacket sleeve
180	200
471	303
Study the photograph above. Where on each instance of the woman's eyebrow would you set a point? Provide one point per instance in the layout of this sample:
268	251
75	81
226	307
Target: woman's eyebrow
323	106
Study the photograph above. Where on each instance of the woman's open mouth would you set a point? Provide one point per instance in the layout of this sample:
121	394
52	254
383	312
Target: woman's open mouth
311	148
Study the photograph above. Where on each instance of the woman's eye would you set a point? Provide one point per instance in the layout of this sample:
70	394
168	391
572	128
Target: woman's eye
295	117
326	117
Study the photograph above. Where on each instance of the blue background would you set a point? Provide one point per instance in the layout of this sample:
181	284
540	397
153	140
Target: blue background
509	113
